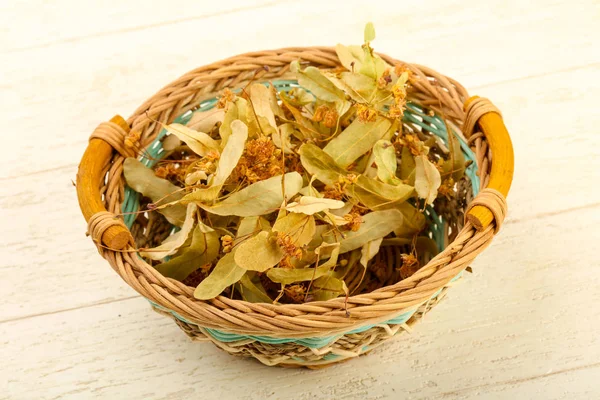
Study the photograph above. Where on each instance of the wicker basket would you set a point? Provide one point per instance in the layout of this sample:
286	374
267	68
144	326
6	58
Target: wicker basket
317	333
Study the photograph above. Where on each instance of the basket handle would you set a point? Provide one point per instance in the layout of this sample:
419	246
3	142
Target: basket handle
501	174
89	178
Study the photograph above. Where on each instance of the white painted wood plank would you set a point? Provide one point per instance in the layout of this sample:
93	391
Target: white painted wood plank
58	94
523	324
575	383
43	23
554	139
551	120
45	250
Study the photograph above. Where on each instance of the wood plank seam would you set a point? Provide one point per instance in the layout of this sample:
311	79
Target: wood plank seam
521	380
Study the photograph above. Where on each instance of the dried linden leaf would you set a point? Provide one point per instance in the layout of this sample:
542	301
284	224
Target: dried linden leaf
142	179
407	166
301	228
252	225
372	65
360	88
252	289
370	192
204	121
227	162
260	95
170	143
259	126
305	126
385	158
199	142
335	220
232	113
375	225
456	165
287	276
260	198
310	205
329	251
203	250
313	80
427	179
297	97
369	250
369	32
350	56
282	139
195	177
172	243
370	167
353	258
356	140
318	163
274	102
259	253
310	189
375	194
414	221
346	209
327	287
225	274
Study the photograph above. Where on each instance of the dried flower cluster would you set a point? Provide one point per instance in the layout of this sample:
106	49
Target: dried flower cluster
261	160
281	196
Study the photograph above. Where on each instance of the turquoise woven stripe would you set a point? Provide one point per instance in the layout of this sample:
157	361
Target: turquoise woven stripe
314	343
413	114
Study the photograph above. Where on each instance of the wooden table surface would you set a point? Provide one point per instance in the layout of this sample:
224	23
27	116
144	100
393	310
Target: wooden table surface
524	325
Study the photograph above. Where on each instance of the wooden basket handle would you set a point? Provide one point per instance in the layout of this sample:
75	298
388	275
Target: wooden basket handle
501	174
90	176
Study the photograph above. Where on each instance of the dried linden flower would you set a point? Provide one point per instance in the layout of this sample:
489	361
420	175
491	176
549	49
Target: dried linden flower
320	113
296	293
225	98
400	68
286	243
226	243
354	221
366	114
446	189
395	111
331	117
385	79
410	265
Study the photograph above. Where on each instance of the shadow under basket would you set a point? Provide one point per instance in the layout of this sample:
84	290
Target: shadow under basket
312	334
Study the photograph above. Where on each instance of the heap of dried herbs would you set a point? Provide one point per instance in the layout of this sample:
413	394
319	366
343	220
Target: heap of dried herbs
279	196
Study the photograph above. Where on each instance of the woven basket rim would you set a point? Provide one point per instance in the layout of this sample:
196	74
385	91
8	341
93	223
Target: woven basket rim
312	318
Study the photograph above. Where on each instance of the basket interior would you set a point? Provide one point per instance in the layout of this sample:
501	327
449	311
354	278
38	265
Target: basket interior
440	220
